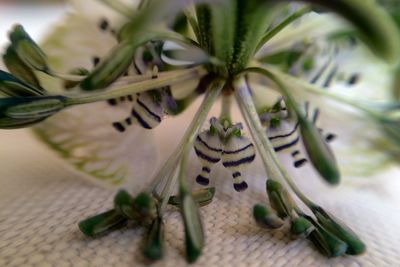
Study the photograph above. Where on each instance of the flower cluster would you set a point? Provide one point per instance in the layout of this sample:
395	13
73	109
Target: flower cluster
290	68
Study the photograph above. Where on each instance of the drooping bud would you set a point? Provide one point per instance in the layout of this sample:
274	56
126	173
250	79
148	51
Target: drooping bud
124	204
154	247
279	198
19	69
18	112
102	223
194	235
266	218
27	50
111	68
301	227
12	86
319	152
202	197
354	245
146	205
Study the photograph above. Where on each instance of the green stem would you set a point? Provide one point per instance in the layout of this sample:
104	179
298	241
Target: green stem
265	148
187	141
164	79
269	35
226	104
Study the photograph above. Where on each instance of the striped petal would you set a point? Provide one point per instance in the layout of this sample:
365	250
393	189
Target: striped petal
84	135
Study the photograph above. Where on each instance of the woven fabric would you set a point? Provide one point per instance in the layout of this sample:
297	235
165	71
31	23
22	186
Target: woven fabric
42	199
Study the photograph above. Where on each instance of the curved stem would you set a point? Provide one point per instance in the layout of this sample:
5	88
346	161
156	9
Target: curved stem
164	79
226	104
270	34
187	141
265	148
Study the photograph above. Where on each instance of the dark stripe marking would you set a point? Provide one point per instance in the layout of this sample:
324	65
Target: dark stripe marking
205	157
103	25
299	163
239	150
285	135
112	102
119	127
239	162
202	180
285	146
156	117
295	153
240	187
140	120
236	174
320	72
330	77
207	146
330	137
353	79
206	169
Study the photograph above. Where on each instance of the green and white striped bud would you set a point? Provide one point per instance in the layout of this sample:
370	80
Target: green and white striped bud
266	217
102	223
154	246
27	50
13	87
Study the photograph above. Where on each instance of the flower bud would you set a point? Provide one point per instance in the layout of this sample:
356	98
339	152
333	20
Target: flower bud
154	247
266	217
319	152
202	197
12	86
27	50
279	198
301	227
102	223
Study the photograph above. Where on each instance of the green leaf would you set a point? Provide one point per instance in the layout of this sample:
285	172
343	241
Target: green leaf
154	247
202	197
27	50
375	26
354	244
19	69
318	151
194	235
266	217
102	223
12	86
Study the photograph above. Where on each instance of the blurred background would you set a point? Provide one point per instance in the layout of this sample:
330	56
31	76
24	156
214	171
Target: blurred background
35	16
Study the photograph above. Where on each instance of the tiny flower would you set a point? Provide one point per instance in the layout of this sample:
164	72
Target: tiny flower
109	78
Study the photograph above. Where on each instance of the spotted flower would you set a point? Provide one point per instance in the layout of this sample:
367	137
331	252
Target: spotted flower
303	79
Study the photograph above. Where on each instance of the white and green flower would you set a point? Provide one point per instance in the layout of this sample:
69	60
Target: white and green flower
318	86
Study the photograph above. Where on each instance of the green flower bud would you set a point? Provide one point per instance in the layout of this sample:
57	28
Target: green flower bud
194	235
266	217
19	69
102	223
124	204
111	68
27	50
301	227
319	152
279	198
154	247
354	245
12	86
